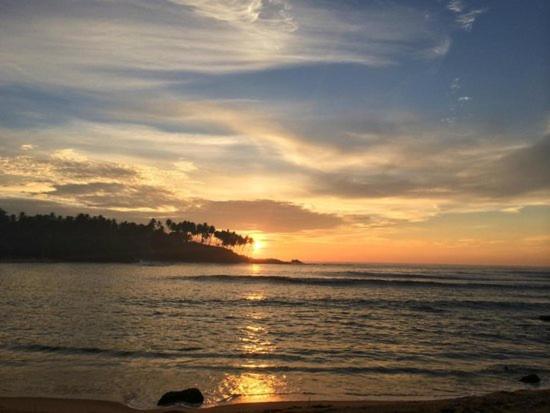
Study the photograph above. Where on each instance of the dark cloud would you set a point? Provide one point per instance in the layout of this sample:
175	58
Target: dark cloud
522	171
263	215
352	132
518	172
115	195
357	185
92	170
45	168
7	179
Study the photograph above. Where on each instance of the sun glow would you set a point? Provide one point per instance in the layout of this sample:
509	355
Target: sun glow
257	246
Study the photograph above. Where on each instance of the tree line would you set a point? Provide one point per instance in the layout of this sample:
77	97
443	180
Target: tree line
96	238
204	233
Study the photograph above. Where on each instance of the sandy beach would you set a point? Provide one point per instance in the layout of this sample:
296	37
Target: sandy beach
532	401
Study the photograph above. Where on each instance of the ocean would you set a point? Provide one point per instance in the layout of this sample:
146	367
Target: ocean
240	333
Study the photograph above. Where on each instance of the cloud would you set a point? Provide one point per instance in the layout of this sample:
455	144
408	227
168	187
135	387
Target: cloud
365	185
282	140
71	177
439	50
255	130
114	195
465	18
262	215
239	12
79	183
447	174
7	180
386	156
58	167
455	85
521	171
241	150
437	174
455	6
119	45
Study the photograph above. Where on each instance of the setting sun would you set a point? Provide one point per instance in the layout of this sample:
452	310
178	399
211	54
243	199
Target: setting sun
257	246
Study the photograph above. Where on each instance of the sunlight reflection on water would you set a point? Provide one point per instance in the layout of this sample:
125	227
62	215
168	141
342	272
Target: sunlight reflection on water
255	296
257	387
252	387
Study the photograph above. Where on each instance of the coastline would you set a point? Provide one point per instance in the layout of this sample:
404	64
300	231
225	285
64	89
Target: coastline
246	260
533	401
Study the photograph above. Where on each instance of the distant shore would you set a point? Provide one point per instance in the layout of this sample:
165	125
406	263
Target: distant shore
244	260
532	401
85	238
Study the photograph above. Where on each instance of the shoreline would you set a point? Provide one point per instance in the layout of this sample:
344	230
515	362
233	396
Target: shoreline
247	260
271	261
533	401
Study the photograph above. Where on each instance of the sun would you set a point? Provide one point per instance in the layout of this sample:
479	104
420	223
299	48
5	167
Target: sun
257	246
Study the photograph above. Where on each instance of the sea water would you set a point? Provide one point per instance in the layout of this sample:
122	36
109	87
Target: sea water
240	333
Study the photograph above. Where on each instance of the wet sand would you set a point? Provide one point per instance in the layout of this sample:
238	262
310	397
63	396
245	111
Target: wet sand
523	401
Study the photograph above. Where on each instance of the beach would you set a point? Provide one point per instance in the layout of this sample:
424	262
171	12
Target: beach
533	401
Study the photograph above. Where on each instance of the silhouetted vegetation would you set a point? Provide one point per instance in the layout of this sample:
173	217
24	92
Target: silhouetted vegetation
205	233
96	238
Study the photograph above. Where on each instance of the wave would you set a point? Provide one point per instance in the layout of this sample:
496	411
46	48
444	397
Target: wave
187	363
431	306
393	275
353	282
65	350
341	370
186	354
190	359
479	276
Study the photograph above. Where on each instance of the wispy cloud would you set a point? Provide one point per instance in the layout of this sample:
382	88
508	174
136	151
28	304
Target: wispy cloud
479	175
455	85
427	166
264	215
91	44
467	20
465	16
455	6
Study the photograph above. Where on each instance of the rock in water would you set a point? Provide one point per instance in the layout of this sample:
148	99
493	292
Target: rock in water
192	396
544	318
530	379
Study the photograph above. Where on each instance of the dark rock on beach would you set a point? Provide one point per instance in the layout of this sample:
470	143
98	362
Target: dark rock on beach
544	318
192	396
530	379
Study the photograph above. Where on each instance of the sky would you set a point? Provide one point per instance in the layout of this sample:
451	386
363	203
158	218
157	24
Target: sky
330	131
